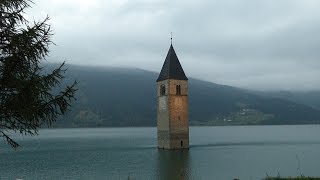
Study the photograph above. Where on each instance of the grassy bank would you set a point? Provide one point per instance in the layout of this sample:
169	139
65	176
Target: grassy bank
292	178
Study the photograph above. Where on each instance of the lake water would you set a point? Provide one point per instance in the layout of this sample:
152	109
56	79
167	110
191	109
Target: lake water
245	152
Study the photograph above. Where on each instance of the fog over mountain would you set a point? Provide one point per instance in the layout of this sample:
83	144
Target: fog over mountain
256	44
127	97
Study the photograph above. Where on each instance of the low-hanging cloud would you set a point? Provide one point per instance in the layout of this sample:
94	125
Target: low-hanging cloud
257	44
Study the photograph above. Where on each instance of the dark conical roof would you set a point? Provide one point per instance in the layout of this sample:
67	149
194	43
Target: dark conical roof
171	68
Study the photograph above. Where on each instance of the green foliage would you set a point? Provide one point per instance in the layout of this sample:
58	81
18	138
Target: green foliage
127	97
28	96
292	178
241	117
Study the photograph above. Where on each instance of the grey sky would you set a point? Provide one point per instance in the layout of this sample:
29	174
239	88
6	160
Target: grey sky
260	44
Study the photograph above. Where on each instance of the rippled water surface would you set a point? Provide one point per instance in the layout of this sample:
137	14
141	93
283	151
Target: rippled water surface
245	152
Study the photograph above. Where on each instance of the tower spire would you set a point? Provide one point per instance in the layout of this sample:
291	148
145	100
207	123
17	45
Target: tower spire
172	104
171	68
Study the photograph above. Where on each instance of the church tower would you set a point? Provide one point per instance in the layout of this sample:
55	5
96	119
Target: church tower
172	99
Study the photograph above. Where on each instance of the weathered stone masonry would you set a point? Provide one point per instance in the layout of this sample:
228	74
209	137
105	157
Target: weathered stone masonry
172	105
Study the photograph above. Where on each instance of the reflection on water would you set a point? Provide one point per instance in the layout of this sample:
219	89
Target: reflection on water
244	152
173	164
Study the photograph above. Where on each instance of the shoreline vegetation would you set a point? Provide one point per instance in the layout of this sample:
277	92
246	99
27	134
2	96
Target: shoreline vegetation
190	125
292	178
108	104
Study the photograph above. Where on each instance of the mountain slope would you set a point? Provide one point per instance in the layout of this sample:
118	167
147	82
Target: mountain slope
309	98
127	97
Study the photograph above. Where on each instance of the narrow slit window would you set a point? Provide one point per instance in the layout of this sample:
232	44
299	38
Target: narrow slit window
178	89
162	90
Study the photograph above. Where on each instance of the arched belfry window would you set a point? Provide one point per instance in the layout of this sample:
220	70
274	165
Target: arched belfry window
178	89
162	90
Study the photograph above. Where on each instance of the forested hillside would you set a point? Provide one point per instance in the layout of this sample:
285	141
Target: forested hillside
127	97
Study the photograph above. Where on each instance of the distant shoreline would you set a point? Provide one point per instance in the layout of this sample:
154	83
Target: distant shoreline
189	126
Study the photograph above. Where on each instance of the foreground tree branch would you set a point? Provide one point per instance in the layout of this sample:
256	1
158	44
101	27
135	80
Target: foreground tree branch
29	96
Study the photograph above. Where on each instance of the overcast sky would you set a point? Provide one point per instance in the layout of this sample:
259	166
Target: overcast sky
259	44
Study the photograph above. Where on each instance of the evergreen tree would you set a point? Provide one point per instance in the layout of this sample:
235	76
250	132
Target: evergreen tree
29	96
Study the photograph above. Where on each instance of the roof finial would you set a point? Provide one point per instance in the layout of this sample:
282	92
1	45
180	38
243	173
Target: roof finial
171	38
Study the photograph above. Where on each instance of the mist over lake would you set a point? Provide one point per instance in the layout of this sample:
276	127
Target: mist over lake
159	90
245	152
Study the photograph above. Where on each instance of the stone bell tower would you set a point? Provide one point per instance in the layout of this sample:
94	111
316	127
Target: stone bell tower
172	101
